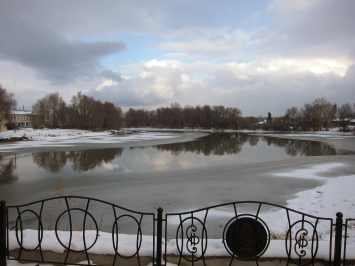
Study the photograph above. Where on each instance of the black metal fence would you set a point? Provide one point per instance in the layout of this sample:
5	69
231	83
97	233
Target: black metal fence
236	231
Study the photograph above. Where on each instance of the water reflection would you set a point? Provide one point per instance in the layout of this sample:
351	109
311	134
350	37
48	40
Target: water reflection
51	161
7	174
214	144
224	143
217	144
301	147
81	161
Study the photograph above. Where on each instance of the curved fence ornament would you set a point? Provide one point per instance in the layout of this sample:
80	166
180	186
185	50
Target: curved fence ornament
68	247
19	227
194	238
246	237
115	238
302	239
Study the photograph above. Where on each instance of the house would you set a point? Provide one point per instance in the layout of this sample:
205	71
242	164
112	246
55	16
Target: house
22	118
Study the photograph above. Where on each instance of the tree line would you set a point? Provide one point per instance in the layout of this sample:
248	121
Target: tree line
176	116
84	112
318	115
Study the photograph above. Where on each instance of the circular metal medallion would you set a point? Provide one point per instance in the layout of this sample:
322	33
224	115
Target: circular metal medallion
246	238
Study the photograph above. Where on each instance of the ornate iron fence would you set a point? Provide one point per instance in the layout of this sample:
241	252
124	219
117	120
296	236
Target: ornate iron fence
240	231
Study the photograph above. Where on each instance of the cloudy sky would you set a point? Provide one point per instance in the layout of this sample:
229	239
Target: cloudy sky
259	56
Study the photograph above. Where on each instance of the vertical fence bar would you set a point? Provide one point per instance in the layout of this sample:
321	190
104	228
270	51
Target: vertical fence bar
3	233
338	238
159	236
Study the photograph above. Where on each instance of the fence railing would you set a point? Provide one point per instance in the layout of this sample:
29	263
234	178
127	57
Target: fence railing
247	230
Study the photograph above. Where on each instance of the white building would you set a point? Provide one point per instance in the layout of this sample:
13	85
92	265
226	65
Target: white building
22	118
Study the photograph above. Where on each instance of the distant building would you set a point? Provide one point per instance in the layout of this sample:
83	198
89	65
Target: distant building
22	118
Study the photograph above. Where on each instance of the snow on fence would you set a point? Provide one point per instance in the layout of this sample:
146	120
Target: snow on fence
71	229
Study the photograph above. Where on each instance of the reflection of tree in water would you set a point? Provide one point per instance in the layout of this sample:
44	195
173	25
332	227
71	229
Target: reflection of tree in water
81	161
344	152
301	147
52	161
226	143
214	144
253	140
7	172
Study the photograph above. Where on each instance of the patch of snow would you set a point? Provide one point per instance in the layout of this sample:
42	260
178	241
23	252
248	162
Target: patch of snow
50	134
311	173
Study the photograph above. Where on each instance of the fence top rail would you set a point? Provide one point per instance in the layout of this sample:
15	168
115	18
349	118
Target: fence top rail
260	203
79	197
249	202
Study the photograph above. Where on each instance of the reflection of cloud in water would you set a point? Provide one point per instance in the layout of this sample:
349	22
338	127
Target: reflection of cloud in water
162	160
110	166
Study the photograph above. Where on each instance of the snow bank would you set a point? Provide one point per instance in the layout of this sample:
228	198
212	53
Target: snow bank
50	134
127	245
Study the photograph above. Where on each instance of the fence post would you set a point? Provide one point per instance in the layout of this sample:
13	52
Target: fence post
3	233
338	238
159	236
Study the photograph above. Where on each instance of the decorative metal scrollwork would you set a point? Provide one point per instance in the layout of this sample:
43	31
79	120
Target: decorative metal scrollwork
246	237
195	241
305	240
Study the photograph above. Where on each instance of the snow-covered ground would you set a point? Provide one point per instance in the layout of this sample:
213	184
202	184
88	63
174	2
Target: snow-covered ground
75	139
336	194
66	134
50	134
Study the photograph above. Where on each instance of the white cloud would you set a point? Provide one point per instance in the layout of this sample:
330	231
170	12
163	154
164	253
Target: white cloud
155	63
255	87
106	83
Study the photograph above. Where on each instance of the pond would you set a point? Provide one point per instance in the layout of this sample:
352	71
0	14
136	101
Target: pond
213	150
217	168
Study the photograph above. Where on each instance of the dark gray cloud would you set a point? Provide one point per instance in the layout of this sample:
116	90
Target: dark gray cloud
83	18
52	55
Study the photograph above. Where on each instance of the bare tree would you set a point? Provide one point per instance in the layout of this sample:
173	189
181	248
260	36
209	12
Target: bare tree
49	110
291	116
345	114
325	110
7	103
